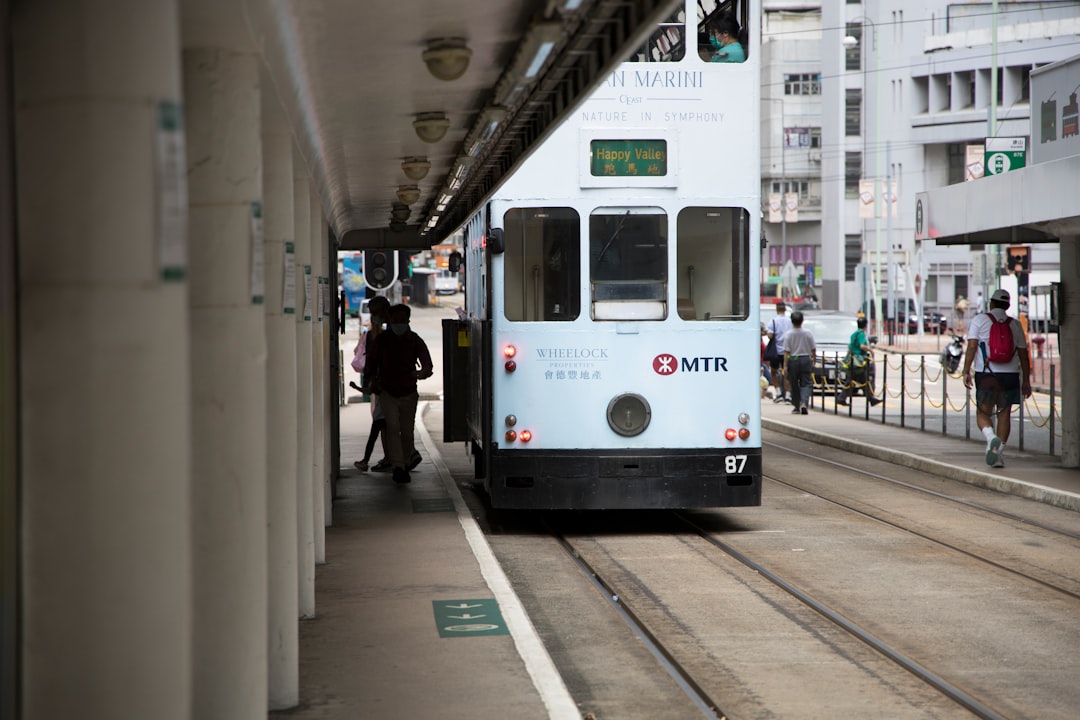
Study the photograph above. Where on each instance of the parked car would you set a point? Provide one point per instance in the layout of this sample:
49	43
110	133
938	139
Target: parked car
832	332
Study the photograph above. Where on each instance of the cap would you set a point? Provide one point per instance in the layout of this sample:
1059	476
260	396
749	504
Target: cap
1000	295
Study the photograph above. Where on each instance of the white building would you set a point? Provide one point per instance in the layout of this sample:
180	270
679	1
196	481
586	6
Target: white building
891	90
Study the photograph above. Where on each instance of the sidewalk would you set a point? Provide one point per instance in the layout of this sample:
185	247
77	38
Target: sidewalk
1036	476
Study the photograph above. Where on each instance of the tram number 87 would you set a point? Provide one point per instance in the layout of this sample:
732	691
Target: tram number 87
734	464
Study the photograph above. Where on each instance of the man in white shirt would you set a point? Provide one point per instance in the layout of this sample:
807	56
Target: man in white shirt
777	327
998	385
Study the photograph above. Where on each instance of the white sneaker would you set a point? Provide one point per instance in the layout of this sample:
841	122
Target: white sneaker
999	463
993	451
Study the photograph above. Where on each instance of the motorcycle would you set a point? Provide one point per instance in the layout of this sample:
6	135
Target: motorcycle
953	354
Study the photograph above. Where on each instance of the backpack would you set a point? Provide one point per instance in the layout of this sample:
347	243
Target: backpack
1001	346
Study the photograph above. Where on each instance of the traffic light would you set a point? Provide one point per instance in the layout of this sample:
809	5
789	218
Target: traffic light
380	269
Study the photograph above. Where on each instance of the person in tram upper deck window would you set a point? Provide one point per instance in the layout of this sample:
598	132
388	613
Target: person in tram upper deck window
724	39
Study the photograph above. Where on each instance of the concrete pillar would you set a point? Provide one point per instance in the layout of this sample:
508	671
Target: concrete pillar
281	430
105	476
304	470
1069	339
318	378
228	364
834	289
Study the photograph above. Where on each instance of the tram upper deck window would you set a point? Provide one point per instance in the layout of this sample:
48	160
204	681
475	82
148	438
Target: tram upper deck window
667	43
628	263
722	32
541	264
712	257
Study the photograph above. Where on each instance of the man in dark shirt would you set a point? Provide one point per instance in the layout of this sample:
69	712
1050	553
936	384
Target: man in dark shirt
400	358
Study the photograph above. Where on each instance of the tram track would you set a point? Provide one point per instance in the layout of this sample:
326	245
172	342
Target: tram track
950	690
638	618
1047	578
973	633
667	660
915	488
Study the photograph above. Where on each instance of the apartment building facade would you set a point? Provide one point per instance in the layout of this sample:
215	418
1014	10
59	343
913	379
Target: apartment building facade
859	97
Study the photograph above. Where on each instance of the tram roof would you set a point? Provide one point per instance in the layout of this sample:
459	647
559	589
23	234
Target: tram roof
352	78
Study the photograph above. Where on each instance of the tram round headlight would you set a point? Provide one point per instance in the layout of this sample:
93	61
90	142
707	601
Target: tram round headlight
525	436
744	433
511	420
511	436
730	434
510	366
629	414
744	418
509	351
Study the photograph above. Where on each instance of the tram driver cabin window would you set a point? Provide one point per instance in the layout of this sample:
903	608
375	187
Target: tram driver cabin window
542	266
628	263
712	256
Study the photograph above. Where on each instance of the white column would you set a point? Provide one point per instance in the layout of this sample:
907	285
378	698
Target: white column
228	363
105	407
304	472
281	430
834	292
318	380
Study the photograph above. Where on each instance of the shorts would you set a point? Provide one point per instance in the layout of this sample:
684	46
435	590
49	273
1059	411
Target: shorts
777	363
997	390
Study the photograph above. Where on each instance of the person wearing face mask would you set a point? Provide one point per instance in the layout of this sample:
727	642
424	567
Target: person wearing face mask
399	359
379	307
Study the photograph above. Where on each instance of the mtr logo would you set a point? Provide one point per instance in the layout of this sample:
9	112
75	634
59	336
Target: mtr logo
665	364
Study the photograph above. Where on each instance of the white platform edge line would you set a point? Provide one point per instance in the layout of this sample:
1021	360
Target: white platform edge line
541	668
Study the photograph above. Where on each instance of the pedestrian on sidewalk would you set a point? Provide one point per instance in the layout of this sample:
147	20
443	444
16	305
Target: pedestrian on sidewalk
400	358
859	359
998	382
766	366
778	327
379	307
799	352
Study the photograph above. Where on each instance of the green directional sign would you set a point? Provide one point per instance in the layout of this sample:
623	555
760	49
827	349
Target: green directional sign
1003	154
468	618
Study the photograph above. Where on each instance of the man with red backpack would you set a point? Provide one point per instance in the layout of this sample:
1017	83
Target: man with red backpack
997	349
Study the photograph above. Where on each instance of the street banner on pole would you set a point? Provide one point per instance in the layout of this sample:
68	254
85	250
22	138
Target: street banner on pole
774	207
867	203
791	207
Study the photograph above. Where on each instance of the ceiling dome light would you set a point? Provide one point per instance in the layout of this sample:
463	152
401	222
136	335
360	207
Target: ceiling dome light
431	127
447	58
415	168
408	194
400	212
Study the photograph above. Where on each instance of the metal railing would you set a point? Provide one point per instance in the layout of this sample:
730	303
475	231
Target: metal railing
917	383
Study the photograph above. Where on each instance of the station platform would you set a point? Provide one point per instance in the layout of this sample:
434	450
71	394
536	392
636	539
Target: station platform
416	619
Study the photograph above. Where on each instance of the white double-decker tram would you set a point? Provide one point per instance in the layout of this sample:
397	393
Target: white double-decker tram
610	356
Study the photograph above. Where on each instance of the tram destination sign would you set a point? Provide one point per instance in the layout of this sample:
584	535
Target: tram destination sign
628	158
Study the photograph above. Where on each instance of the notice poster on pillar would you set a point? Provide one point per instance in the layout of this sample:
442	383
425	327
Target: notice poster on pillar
288	290
307	292
170	165
327	300
258	260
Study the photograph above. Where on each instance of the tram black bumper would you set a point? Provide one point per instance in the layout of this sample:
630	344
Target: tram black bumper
588	480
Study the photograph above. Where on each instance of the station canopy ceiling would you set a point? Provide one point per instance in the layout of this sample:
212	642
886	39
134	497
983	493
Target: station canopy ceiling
409	112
